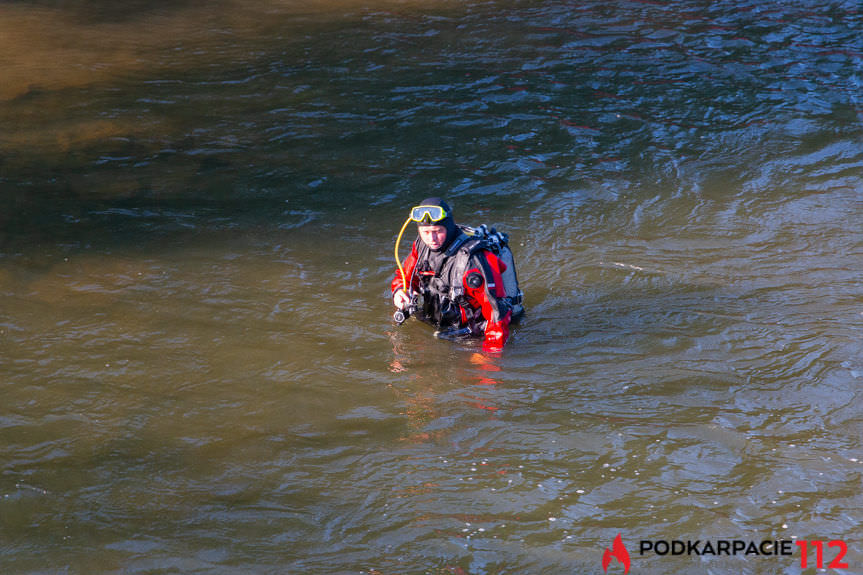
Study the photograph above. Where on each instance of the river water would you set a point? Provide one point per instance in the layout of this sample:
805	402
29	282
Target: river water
198	368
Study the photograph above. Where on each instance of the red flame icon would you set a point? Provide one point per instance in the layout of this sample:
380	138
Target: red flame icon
619	552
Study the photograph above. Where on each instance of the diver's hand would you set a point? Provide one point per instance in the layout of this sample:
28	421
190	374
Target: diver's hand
401	299
496	334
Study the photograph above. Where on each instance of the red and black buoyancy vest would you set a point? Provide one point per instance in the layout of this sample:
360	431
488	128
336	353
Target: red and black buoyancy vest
440	280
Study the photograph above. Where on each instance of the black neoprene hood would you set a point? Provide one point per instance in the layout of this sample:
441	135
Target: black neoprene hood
448	222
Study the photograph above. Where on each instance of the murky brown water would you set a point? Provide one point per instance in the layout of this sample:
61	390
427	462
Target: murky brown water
198	370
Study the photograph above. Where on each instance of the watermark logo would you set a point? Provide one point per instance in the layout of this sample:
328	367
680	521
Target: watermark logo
829	554
619	552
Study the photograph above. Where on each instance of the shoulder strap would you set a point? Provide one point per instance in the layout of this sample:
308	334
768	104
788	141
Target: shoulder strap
457	244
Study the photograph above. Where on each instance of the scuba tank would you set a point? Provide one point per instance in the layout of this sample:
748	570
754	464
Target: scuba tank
498	243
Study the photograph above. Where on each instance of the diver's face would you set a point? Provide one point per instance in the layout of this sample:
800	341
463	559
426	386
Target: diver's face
433	236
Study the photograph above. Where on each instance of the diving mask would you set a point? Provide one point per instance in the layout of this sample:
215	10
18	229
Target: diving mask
430	214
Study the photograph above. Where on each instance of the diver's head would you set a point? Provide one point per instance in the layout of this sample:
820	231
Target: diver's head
435	223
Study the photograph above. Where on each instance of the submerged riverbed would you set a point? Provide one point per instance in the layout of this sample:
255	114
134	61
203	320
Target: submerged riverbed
198	368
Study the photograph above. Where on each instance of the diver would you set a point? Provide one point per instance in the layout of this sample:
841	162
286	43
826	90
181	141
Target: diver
454	278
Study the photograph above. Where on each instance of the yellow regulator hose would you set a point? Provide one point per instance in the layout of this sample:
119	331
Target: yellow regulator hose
398	261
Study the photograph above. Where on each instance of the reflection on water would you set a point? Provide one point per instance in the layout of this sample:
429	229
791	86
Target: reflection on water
197	363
